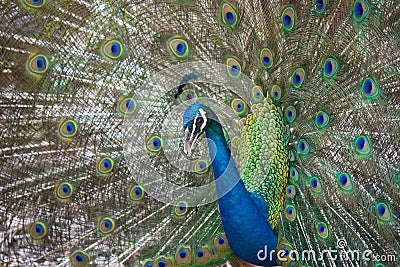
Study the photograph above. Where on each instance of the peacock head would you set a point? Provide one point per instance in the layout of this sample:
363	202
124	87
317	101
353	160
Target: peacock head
197	120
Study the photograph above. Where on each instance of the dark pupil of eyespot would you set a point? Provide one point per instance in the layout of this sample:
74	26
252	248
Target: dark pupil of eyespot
38	229
302	146
320	119
286	251
230	17
382	210
129	104
69	127
79	258
361	143
344	179
287	19
359	9
182	254
329	67
180	48
138	192
320	4
106	164
65	189
368	87
314	183
297	78
114	48
40	63
202	165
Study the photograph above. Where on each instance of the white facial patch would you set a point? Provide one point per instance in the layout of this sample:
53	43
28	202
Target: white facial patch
189	143
203	115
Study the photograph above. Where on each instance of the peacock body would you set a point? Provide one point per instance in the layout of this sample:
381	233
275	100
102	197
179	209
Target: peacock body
200	133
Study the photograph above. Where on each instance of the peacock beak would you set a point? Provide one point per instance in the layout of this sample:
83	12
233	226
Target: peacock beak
190	140
191	137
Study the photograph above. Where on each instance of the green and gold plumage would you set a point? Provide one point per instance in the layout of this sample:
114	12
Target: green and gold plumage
263	161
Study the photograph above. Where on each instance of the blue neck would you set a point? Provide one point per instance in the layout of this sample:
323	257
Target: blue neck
246	228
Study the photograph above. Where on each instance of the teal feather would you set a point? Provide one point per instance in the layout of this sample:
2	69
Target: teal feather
317	146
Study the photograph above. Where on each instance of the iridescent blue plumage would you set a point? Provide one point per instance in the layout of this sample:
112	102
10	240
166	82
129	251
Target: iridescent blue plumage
247	230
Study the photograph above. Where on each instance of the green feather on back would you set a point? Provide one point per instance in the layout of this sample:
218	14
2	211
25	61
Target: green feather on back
263	157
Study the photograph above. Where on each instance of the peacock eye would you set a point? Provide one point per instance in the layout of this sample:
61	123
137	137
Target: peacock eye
79	258
303	147
315	185
178	47
201	166
370	88
257	94
112	49
202	255
38	230
183	256
163	262
383	211
290	114
221	242
360	10
321	119
276	92
362	145
345	182
199	122
331	67
64	190
35	3
68	129
136	193
233	66
229	15
266	58
320	6
107	225
127	106
38	64
181	208
188	97
298	78
322	229
288	18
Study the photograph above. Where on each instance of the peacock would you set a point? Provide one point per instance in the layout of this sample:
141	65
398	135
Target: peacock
200	133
